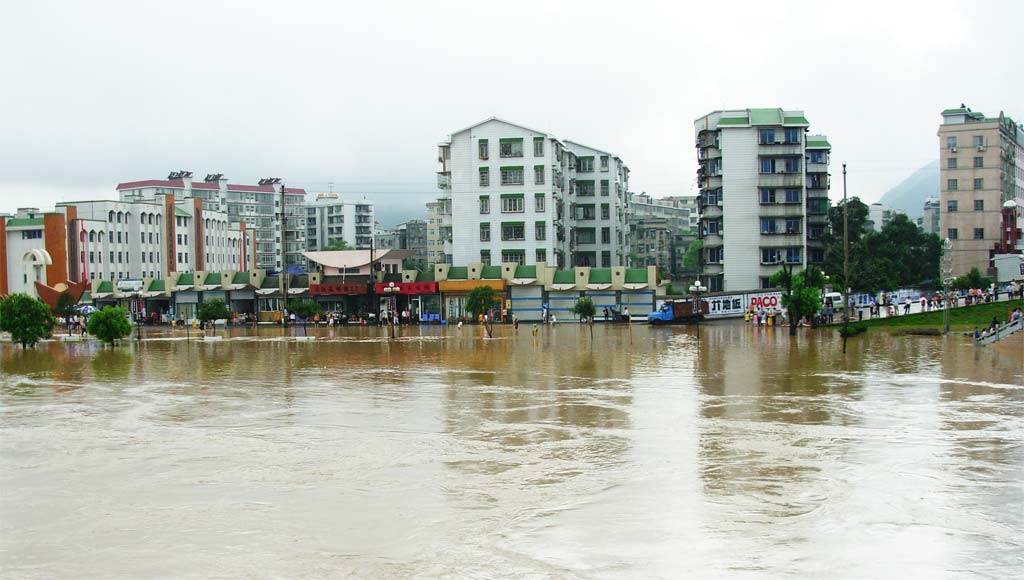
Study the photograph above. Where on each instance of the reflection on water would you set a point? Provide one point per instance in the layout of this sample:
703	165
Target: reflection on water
727	451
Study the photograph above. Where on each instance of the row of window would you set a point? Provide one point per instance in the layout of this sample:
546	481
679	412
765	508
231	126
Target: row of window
954	184
769	196
779	164
953	205
951	163
976	141
789	226
954	234
789	135
775	255
514	256
514	232
515	203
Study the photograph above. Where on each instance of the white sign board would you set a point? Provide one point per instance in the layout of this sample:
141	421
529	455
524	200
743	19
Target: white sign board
129	285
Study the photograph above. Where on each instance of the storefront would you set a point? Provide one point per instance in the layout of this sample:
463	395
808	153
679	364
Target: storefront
185	305
412	296
348	298
527	301
454	292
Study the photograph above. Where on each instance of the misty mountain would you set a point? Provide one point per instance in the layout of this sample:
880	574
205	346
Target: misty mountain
909	194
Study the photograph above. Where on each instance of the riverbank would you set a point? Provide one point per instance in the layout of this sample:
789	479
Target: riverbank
961	319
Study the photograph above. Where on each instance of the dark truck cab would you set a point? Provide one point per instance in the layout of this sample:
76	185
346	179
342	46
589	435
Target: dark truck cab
678	312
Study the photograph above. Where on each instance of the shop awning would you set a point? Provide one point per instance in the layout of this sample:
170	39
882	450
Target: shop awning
522	281
634	286
598	286
563	286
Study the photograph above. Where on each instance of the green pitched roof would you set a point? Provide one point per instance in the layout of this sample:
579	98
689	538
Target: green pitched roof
636	276
425	275
819	144
796	121
957	111
491	273
271	282
212	278
186	279
600	276
564	277
526	272
180	212
105	286
23	222
765	117
86	298
156	285
734	121
458	273
240	278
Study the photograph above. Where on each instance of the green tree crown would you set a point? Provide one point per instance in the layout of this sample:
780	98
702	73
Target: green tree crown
213	310
480	300
26	318
110	324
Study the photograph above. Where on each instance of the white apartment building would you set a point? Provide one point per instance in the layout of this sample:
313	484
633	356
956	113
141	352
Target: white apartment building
879	216
435	243
515	194
763	195
257	206
330	219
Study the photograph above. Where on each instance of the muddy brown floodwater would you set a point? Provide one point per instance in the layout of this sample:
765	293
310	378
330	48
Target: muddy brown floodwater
643	453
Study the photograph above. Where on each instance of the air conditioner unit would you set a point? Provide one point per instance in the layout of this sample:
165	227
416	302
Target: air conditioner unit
952	149
981	147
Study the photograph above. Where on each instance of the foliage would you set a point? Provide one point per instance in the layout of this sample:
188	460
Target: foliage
972	279
480	300
584	308
305	309
110	324
853	329
897	256
960	318
801	293
336	245
412	264
691	259
26	318
213	310
65	306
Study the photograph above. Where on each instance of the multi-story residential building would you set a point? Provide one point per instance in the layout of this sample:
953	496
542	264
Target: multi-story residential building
435	243
411	236
258	206
671	221
981	168
928	223
514	194
329	220
763	195
879	216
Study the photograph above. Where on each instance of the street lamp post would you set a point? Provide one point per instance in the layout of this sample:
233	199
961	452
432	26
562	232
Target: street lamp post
947	280
391	291
697	289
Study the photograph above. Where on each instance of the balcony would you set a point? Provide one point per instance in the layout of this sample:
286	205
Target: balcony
780	179
444	179
780	149
817	167
780	210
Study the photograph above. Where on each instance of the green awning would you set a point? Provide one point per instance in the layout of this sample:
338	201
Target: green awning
564	277
765	117
271	282
503	224
425	275
86	298
796	121
180	212
211	278
636	276
818	145
240	278
157	285
513	195
491	273
526	272
458	273
185	279
511	140
24	222
600	276
733	121
105	286
485	197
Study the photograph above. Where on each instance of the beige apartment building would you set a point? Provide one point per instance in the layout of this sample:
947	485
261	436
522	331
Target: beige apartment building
982	167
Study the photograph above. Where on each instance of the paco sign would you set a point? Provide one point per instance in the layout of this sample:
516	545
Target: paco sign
766	301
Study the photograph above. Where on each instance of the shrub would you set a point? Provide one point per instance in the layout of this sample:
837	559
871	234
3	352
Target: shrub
26	318
110	324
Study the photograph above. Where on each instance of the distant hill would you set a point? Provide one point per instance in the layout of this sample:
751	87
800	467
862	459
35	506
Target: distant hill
910	194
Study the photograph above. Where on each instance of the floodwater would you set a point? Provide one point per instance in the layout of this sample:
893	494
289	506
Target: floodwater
641	453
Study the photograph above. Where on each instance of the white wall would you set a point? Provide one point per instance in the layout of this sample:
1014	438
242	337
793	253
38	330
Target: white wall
740	208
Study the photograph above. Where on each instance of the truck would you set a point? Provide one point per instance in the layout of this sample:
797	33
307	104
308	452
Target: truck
678	312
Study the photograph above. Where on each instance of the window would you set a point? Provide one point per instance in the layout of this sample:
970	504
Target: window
792	135
142	237
817	232
538	202
771	255
585	188
951	142
713	227
485	257
511	147
951	184
110	237
513	256
143	257
979	233
585	212
767	195
606	259
485	204
978	140
485	232
538	175
792	196
951	163
513	231
606	235
767	165
766	282
585	164
818	156
512	204
32	235
792	255
511	175
604	187
951	205
92	257
482	149
766	136
111	257
485	176
541	231
605	211
792	165
979	162
604	163
715	255
768	226
793	225
542	256
979	183
951	233
979	205
538	146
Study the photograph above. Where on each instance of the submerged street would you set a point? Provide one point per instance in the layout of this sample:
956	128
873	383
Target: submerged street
726	451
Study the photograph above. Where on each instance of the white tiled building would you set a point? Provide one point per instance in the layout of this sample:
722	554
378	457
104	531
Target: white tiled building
514	194
330	219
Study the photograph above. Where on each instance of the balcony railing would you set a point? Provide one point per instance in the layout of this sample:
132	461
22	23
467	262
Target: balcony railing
780	149
444	179
780	180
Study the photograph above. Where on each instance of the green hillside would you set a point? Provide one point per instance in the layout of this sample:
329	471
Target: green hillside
910	194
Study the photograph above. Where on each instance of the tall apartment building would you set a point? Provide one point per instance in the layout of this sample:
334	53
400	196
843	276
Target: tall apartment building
928	223
763	195
258	206
514	194
879	216
981	168
661	230
436	245
330	219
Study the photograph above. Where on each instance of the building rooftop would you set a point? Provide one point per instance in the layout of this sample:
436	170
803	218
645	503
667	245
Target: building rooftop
178	184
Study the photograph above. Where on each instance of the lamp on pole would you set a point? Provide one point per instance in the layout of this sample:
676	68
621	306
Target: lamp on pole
391	291
846	264
947	280
697	289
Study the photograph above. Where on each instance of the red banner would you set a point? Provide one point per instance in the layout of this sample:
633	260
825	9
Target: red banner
408	288
337	289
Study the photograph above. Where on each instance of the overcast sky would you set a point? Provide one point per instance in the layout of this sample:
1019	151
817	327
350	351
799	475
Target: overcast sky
359	94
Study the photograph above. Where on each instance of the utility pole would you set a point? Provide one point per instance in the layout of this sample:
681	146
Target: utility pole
284	267
846	263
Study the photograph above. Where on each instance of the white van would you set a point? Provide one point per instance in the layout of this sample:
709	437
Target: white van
837	300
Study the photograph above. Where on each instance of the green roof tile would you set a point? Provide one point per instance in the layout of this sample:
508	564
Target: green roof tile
186	279
796	121
425	275
818	144
271	282
157	285
491	273
180	212
765	117
734	121
24	222
211	278
636	276
86	298
564	277
240	278
458	273
105	286
600	276
526	272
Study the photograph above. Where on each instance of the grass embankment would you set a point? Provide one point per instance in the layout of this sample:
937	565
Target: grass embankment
963	318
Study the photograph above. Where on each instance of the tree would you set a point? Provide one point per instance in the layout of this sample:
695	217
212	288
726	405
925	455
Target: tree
110	324
412	264
26	318
336	245
213	310
802	293
972	279
65	308
584	308
304	310
691	259
481	300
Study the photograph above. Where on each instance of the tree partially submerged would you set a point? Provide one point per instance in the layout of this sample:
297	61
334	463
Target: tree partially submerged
26	318
211	311
110	324
481	300
801	293
65	308
585	309
304	310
